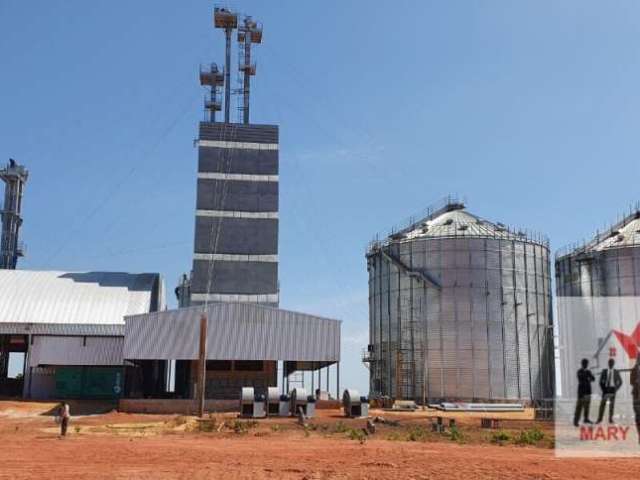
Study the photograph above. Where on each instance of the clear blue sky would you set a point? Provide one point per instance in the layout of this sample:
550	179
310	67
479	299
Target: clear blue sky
529	109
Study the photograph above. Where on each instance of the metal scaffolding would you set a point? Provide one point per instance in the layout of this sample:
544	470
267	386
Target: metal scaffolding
14	176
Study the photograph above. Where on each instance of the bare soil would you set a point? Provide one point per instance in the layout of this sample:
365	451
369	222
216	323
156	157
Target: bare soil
160	447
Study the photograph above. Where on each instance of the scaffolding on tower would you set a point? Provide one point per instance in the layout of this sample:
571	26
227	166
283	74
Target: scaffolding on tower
14	176
249	32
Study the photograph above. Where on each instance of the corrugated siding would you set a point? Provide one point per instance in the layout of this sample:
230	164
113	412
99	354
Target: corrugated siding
238	132
52	350
235	332
60	329
94	298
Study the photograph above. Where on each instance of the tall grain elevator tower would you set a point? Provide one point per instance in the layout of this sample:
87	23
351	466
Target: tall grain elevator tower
236	233
14	176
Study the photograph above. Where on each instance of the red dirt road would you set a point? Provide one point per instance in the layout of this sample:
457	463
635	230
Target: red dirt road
198	457
33	451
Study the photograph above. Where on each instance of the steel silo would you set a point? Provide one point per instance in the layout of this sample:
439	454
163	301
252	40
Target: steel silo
459	309
606	266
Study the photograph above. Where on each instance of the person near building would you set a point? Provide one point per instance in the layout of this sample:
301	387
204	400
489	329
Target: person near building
65	415
610	383
583	402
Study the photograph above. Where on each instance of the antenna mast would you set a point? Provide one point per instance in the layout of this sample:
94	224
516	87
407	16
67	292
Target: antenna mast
14	177
212	77
250	32
227	20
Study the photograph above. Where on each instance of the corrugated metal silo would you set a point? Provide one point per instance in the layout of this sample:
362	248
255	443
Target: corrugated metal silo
607	266
460	306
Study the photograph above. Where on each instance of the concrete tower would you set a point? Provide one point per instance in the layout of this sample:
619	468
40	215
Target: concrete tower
236	232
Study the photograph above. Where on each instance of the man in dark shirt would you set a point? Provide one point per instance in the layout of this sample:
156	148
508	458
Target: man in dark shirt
635	392
585	377
610	383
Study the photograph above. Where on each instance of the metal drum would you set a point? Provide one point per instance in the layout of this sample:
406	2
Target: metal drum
297	400
351	403
273	401
247	398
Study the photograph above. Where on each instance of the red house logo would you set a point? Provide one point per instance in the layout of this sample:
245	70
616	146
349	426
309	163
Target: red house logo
629	342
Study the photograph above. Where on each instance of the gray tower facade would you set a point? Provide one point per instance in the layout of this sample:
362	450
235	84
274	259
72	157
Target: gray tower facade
14	177
236	232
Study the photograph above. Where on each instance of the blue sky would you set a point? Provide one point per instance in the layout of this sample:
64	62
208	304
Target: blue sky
528	109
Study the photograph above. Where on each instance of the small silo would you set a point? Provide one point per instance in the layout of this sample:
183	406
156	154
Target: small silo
606	266
460	310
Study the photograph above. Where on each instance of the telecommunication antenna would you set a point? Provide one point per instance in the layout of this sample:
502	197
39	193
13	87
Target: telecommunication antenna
248	33
227	20
212	77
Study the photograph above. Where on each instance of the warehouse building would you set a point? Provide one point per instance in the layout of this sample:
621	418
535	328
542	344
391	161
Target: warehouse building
246	345
67	329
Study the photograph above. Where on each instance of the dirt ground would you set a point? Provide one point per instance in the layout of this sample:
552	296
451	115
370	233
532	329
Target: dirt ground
160	447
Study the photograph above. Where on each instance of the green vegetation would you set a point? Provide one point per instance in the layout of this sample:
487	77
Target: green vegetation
530	436
340	427
417	434
500	437
241	427
208	425
357	434
455	434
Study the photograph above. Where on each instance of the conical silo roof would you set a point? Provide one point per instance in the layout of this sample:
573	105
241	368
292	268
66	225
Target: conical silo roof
625	233
454	220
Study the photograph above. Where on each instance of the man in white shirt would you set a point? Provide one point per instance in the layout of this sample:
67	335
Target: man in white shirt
65	415
610	383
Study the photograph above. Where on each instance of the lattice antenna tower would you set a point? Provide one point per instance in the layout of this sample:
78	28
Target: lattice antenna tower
228	21
212	77
249	32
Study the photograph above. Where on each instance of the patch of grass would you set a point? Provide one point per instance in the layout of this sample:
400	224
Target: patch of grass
395	437
181	420
455	434
340	427
356	434
239	426
530	436
500	437
207	426
417	434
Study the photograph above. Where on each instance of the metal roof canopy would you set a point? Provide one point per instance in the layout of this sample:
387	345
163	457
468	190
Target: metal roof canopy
236	331
74	303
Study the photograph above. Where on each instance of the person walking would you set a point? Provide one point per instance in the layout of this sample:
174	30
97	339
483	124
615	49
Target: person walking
583	403
610	383
65	415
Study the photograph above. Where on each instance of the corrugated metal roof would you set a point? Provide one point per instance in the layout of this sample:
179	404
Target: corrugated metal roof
624	233
76	298
236	331
457	222
51	350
